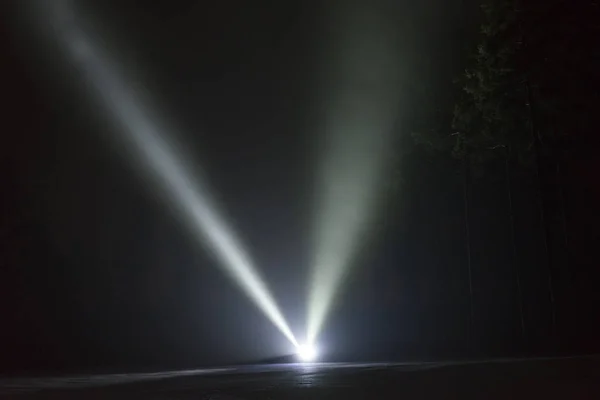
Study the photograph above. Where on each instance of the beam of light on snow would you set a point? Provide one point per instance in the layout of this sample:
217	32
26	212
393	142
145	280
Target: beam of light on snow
360	105
148	142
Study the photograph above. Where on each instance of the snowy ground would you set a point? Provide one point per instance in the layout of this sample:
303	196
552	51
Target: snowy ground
564	378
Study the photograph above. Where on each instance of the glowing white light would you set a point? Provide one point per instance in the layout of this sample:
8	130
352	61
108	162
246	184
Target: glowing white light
307	353
361	110
148	142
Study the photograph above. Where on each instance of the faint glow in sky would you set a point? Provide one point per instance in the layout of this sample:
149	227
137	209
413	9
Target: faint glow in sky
148	142
360	80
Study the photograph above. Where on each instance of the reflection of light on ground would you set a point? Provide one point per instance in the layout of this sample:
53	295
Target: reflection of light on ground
83	381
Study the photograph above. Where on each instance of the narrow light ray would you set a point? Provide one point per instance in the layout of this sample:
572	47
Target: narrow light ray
356	130
147	140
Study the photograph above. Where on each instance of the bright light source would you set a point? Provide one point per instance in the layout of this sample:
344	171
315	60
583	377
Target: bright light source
361	109
307	353
147	141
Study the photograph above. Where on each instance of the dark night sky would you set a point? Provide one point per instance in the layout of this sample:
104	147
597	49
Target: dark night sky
98	271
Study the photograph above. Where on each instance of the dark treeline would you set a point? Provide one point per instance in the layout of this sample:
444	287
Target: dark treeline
522	124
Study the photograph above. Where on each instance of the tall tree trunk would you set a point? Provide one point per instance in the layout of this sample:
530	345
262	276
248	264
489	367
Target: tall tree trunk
538	168
560	182
513	237
466	192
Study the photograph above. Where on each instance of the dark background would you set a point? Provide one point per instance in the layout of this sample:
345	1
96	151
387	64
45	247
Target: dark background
97	272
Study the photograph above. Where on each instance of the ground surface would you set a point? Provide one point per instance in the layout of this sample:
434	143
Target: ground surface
572	378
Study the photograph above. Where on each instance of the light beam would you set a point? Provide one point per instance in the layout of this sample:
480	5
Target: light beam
307	353
147	141
361	74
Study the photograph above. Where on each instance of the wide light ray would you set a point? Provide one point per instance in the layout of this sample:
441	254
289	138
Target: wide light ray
147	141
360	113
